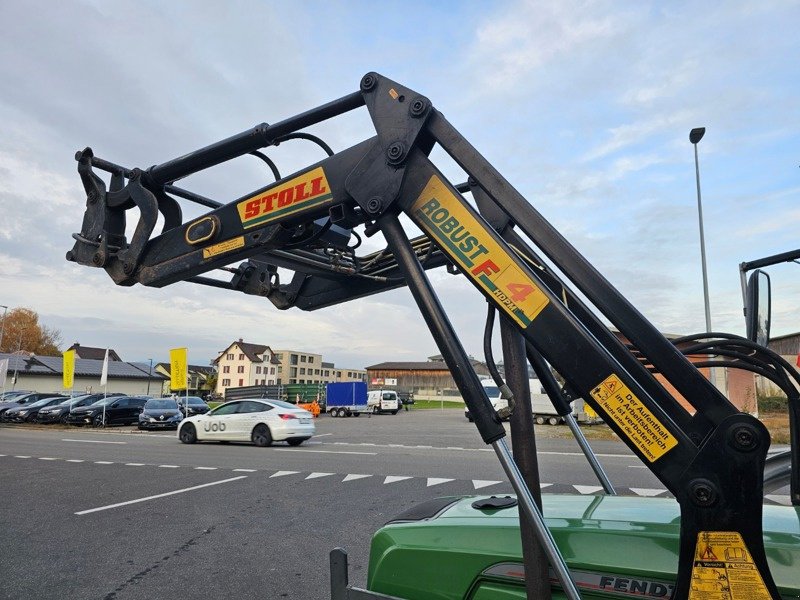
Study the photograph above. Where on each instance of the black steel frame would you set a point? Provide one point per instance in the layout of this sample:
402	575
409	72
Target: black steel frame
712	461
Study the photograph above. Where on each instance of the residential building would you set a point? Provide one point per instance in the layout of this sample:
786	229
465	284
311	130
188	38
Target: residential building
94	353
243	363
430	378
197	380
300	367
332	374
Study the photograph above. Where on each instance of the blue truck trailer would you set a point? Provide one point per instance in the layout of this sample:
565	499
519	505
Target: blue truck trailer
346	399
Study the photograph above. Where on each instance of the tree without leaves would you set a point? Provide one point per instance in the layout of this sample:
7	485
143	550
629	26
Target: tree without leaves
22	331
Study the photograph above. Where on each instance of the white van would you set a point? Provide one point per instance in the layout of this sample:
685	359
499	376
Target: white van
383	401
495	398
543	411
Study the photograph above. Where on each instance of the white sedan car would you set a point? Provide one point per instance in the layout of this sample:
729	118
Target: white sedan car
259	421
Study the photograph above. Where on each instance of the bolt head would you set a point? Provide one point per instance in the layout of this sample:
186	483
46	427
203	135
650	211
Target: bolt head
374	205
368	82
418	107
396	153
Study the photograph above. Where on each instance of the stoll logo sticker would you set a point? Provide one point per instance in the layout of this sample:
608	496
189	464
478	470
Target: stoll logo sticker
468	242
301	193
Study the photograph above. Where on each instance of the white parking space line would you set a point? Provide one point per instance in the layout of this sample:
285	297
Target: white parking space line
75	460
437	481
92	441
47	458
303	450
206	468
395	478
482	483
134	464
245	470
164	495
20	456
323	434
354	476
169	466
318	475
103	462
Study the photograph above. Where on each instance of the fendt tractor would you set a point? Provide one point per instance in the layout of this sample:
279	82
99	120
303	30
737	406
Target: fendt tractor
715	540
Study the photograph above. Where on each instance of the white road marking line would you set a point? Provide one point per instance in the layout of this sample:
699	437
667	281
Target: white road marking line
544	485
780	498
47	458
354	476
587	489
206	468
637	467
189	489
169	466
646	491
303	450
482	483
318	475
18	456
75	460
134	464
322	434
103	462
395	478
1	455
282	473
92	441
437	481
245	470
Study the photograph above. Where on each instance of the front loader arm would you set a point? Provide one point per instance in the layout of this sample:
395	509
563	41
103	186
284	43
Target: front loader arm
712	461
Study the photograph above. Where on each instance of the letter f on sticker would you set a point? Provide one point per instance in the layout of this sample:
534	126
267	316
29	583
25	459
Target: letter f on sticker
487	267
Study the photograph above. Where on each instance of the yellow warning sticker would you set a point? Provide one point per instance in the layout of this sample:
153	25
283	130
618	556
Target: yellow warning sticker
468	242
724	570
222	247
638	424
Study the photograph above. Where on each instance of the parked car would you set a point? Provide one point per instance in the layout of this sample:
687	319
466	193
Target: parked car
28	398
11	394
160	413
25	413
196	405
118	411
258	421
58	413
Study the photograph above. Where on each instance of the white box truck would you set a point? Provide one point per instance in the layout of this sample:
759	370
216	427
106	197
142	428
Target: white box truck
542	408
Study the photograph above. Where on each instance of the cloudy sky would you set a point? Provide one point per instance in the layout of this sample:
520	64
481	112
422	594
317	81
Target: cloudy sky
584	106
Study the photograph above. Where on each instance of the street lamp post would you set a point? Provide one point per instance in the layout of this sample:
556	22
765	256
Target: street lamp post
3	326
149	374
695	135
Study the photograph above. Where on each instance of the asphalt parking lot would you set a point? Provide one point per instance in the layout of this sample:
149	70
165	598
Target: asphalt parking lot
121	514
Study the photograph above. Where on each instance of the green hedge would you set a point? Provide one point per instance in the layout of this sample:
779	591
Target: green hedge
772	404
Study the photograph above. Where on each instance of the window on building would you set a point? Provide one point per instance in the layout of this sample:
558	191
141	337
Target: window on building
311	359
272	370
241	382
292	371
301	381
258	370
226	382
226	369
316	371
293	359
291	381
229	356
327	373
241	356
302	371
240	369
280	369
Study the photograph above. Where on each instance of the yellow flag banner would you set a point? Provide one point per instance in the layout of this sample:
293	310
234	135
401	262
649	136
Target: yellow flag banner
69	369
178	359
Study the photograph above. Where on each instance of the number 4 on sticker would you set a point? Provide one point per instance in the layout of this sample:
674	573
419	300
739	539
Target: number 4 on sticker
520	291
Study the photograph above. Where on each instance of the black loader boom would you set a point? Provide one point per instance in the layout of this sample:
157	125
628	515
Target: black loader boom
712	459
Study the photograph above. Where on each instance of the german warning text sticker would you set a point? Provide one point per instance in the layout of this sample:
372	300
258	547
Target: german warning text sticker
724	570
223	247
637	423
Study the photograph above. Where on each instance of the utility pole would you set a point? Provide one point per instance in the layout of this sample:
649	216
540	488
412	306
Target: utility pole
3	326
149	374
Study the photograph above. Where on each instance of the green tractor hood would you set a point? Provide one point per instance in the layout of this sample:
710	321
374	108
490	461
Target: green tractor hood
616	547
